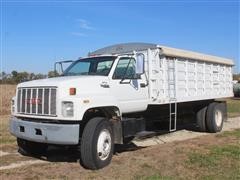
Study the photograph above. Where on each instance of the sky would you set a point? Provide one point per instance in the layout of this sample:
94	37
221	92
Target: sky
35	34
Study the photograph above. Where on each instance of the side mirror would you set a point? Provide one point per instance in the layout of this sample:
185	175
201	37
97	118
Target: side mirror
140	63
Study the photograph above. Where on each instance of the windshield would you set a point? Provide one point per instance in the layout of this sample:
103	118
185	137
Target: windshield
90	66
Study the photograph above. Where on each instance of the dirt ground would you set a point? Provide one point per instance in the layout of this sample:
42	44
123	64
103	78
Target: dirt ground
167	160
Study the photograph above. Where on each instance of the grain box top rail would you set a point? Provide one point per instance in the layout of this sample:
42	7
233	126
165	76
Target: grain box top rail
166	51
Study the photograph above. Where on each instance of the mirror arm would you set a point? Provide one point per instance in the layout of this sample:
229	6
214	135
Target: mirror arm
61	66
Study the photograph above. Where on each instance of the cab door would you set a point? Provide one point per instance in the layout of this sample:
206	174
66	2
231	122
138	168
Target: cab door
130	90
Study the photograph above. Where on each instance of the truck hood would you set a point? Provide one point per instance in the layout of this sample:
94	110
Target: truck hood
85	82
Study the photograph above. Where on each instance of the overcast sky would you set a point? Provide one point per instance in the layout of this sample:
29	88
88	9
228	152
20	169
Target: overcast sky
36	34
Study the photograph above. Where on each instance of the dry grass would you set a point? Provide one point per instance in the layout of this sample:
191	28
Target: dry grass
6	94
5	137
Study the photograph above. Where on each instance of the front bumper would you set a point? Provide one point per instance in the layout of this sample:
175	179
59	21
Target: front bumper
64	134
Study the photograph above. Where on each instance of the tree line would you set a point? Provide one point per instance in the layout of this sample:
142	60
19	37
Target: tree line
16	77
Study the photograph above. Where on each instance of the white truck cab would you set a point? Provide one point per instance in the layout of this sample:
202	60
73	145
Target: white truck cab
111	95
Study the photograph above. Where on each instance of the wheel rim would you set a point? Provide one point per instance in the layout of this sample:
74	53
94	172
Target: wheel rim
218	118
104	144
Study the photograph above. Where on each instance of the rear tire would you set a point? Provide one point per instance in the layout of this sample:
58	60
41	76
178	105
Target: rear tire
97	144
216	114
31	148
201	119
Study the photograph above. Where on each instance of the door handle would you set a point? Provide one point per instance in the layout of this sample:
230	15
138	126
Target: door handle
104	85
143	85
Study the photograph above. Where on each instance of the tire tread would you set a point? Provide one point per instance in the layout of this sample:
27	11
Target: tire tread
88	136
210	118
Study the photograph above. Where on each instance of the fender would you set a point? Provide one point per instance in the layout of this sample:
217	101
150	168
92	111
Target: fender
95	101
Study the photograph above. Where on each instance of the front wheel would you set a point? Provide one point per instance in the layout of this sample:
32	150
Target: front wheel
97	143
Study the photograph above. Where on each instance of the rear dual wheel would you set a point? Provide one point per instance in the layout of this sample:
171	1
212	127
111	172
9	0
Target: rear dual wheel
210	118
216	115
201	119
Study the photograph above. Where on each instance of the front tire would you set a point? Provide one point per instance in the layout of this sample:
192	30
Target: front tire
216	114
97	144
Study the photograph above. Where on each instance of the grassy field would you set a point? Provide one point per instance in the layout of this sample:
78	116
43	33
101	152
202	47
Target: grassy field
233	107
219	161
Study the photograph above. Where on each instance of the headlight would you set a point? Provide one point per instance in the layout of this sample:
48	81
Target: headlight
67	109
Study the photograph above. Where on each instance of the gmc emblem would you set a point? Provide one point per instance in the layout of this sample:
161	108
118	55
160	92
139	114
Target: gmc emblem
33	101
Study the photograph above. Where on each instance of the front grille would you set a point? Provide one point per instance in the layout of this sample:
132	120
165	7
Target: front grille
37	101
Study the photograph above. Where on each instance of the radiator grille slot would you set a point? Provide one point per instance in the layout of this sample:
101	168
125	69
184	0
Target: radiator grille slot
34	96
40	95
37	101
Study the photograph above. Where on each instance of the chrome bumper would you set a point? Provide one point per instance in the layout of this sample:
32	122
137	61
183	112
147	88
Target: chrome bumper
64	134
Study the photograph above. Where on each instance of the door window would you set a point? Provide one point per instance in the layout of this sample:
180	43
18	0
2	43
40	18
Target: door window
104	67
126	69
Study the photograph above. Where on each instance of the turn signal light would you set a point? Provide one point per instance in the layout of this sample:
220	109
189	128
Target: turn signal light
72	91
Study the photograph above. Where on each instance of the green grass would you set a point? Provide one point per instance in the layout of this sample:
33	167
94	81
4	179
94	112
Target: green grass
220	162
153	173
233	107
229	151
216	154
158	177
202	160
235	133
154	177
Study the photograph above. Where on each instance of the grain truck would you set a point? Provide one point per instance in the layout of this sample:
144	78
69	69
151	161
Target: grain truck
116	93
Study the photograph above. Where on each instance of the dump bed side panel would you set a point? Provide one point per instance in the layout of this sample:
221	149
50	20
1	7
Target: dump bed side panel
173	78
